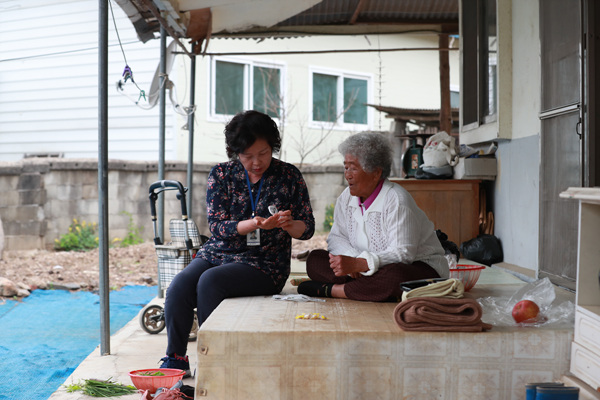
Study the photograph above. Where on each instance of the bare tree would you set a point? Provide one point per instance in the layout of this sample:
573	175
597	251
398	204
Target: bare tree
307	142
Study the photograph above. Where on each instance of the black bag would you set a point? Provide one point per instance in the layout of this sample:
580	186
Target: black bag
484	249
449	246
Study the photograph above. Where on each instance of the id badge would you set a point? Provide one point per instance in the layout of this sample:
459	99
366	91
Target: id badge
253	238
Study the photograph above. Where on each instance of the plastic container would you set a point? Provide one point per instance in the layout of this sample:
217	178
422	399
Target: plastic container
151	383
557	393
531	388
467	274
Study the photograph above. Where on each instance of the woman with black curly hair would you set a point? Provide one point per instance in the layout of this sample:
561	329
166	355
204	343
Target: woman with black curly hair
256	204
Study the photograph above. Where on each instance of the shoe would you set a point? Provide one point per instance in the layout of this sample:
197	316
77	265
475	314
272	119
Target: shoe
303	255
315	289
177	362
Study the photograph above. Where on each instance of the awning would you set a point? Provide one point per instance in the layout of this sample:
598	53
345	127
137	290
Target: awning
197	21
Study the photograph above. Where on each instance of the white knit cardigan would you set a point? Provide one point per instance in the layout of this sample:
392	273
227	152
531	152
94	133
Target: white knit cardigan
393	229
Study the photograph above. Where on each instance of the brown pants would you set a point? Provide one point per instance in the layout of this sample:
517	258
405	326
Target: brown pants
381	286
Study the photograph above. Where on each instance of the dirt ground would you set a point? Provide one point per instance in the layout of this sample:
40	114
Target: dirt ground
133	265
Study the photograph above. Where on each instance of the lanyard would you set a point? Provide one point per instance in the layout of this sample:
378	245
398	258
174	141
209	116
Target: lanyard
253	203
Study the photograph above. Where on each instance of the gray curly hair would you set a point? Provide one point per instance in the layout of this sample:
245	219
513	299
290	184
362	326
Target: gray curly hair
373	150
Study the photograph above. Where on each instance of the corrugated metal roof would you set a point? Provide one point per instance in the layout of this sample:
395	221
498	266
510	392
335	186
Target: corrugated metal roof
335	12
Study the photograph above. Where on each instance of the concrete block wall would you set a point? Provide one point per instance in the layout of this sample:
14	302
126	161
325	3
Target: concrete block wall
42	196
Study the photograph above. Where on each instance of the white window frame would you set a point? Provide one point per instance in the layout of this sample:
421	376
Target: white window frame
249	65
339	124
499	125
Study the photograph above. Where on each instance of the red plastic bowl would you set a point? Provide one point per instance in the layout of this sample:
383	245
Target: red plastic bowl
467	274
152	383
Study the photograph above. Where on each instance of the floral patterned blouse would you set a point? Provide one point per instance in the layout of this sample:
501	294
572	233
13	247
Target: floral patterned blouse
228	202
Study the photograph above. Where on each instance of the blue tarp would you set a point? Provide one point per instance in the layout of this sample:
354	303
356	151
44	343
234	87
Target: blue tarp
44	337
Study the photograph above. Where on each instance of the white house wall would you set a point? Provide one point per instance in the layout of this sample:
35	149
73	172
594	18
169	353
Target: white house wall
400	79
49	83
516	199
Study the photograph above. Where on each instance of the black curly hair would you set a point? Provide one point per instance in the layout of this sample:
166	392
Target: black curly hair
247	126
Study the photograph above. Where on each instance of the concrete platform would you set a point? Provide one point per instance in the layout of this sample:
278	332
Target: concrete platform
255	348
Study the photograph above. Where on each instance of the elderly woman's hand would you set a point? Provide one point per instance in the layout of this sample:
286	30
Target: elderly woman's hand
345	265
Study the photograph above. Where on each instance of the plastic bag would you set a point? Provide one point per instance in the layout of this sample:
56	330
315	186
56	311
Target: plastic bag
440	150
484	249
450	248
498	310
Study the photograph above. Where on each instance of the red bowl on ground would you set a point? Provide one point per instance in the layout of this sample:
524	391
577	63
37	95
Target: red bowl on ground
467	274
144	379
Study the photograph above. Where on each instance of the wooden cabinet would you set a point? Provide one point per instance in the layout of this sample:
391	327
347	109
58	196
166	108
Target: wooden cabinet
452	205
585	350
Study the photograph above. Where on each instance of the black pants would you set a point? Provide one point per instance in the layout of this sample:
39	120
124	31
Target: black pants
204	286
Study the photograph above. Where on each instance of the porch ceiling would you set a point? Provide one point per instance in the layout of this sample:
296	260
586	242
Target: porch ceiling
199	20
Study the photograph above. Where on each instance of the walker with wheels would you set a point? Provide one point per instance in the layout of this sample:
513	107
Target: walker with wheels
172	257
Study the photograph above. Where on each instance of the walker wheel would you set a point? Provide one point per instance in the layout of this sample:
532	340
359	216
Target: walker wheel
152	319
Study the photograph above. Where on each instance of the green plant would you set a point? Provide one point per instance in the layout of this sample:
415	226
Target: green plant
81	236
99	388
133	234
328	223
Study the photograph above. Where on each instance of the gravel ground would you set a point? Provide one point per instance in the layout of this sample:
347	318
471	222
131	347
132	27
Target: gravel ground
133	265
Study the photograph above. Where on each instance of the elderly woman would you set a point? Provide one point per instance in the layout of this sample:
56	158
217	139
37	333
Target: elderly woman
256	204
379	238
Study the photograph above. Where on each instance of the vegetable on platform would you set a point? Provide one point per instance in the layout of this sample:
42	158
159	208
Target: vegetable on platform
150	373
100	388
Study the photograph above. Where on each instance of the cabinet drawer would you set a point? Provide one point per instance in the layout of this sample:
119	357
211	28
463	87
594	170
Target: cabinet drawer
587	331
585	365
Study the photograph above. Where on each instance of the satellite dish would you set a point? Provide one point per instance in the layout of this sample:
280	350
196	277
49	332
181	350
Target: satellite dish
154	92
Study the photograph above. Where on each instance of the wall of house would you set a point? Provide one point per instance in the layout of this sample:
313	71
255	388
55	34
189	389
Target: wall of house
408	79
516	189
49	83
43	196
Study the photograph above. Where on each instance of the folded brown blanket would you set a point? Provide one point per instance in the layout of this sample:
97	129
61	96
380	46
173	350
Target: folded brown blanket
439	314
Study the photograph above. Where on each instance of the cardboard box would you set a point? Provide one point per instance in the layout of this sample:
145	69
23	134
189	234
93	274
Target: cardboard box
476	168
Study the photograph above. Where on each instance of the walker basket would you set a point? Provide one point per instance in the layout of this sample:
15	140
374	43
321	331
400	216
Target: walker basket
174	256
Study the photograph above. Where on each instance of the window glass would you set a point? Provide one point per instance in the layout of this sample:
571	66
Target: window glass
355	99
454	99
469	63
324	98
266	96
479	43
229	88
491	42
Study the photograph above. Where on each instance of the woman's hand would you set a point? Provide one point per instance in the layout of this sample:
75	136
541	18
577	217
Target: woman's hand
267	223
283	220
345	265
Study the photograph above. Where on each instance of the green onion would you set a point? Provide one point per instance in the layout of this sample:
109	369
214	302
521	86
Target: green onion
99	388
150	373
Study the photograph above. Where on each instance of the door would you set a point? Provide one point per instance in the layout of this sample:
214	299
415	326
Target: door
561	144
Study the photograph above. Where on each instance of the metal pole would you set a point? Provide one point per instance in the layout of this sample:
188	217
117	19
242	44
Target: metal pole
161	129
103	177
191	113
160	203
